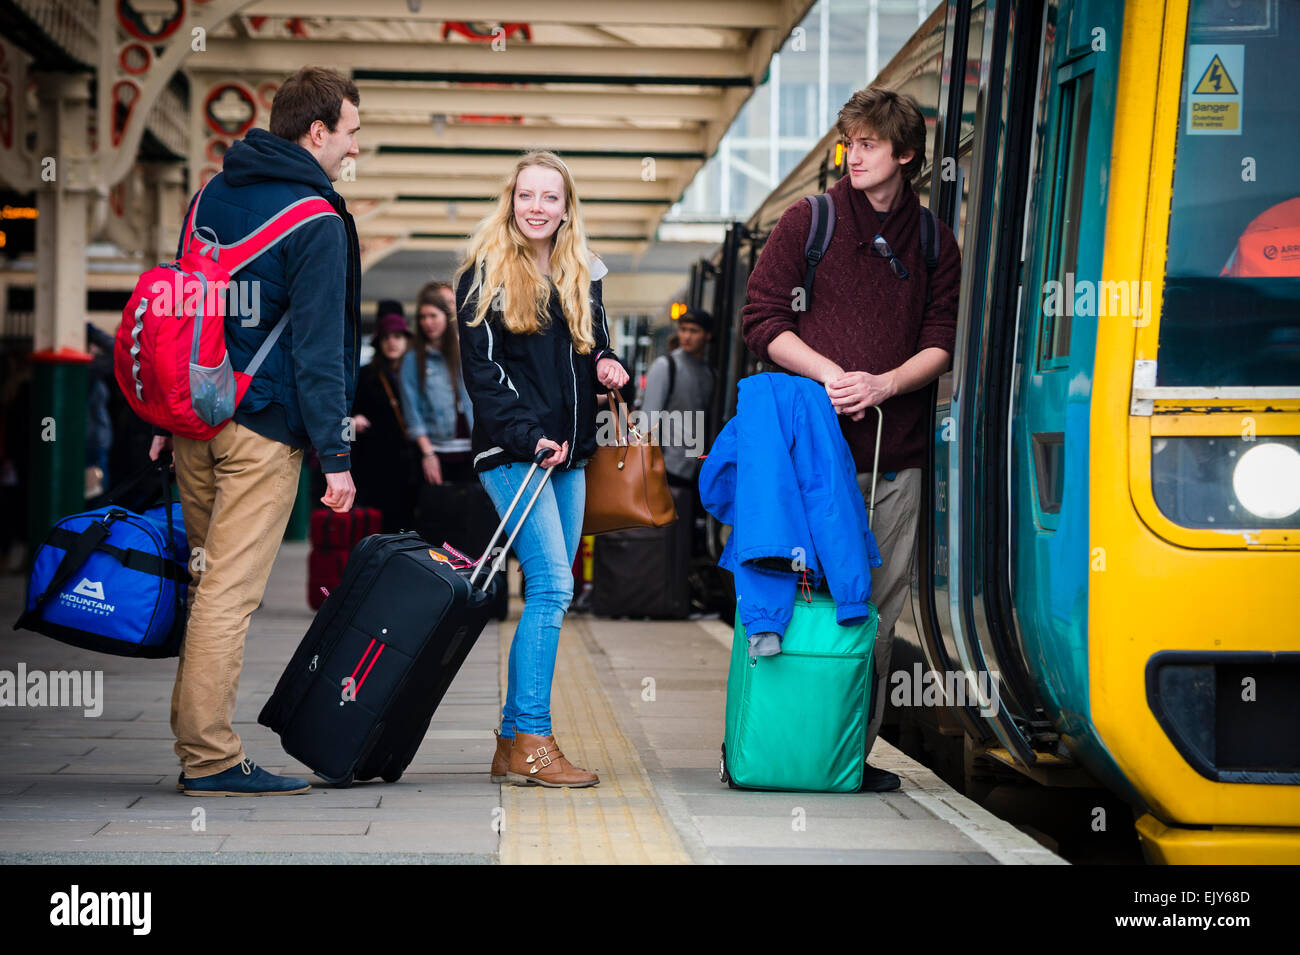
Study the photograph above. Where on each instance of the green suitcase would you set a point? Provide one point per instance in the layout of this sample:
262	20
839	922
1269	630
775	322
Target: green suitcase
797	721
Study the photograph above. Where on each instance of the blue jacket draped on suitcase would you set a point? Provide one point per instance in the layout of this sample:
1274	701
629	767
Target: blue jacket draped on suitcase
781	474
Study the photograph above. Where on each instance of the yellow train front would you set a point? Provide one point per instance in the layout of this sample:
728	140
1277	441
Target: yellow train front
1115	507
1110	521
1195	466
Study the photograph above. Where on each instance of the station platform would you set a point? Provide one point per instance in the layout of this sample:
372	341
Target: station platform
641	703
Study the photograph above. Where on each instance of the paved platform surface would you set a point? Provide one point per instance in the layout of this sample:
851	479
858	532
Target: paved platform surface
102	789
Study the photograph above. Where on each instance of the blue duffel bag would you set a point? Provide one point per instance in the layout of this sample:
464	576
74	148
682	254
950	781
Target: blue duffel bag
112	580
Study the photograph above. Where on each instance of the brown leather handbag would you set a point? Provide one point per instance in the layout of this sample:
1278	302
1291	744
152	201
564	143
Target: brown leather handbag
627	484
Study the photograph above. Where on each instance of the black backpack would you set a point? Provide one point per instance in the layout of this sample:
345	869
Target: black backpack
823	227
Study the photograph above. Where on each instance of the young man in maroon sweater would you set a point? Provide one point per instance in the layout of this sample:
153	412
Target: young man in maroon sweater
878	329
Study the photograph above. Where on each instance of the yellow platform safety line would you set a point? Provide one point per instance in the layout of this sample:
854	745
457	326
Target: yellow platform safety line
619	821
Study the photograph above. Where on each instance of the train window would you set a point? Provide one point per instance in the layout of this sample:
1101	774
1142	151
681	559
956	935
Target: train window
974	59
969	105
1231	304
1049	474
1071	159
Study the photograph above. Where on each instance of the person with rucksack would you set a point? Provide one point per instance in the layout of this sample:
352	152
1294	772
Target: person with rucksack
295	331
677	385
858	290
678	392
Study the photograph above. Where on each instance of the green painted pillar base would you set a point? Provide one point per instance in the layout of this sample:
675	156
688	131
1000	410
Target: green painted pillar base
300	516
57	485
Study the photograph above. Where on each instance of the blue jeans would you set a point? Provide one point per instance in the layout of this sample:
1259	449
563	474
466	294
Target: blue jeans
546	547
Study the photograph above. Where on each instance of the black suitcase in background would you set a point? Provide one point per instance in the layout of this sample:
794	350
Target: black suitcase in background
645	571
460	513
359	693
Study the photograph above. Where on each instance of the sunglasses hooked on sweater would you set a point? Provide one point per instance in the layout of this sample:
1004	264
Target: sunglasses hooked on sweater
880	246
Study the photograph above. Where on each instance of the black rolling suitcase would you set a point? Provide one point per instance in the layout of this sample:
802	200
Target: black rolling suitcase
645	571
357	697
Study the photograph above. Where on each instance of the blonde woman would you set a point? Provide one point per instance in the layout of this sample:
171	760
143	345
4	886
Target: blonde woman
534	344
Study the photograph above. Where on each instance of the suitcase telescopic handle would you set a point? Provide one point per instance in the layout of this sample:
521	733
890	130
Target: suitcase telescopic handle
875	466
497	564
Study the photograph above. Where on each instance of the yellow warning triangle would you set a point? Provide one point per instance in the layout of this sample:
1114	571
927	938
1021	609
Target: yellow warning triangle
1215	79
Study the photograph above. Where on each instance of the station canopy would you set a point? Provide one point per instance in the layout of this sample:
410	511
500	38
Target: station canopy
634	95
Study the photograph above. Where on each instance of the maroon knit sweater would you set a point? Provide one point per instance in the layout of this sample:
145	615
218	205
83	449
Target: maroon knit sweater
861	316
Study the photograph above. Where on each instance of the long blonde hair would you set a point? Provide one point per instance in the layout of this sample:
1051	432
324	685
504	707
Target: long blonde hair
505	266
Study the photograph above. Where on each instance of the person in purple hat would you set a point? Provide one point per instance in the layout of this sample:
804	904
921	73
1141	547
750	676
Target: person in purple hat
383	458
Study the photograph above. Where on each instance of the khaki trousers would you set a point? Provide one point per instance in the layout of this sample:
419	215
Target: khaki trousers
894	525
236	491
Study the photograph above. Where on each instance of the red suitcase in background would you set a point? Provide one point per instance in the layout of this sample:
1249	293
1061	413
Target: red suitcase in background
333	536
332	531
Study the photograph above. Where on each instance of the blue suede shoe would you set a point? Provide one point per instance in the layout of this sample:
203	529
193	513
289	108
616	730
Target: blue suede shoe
245	779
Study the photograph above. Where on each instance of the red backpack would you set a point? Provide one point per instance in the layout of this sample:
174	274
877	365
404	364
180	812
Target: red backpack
170	354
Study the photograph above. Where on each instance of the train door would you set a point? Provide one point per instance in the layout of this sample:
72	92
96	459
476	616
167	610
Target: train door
947	195
972	501
1058	321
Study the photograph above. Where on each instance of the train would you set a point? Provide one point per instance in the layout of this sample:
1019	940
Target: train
1110	517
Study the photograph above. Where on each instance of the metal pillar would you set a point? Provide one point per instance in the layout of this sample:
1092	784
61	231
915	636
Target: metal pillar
824	68
63	196
165	204
774	122
873	40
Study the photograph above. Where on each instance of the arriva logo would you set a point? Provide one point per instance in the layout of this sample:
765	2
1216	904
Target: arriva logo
90	588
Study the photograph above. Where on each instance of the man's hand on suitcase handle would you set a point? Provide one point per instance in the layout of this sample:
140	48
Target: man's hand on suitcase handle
856	391
561	451
339	491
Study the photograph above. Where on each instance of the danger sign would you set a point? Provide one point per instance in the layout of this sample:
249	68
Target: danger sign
1216	76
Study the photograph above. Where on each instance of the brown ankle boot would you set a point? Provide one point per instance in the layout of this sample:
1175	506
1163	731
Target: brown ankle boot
537	760
501	759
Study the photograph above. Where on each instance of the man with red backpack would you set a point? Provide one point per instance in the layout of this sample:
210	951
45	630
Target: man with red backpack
861	294
238	487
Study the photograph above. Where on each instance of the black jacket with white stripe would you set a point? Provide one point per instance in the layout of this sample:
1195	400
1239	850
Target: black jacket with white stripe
526	387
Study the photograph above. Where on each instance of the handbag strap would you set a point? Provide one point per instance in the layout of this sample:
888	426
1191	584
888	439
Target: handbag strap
165	476
622	426
392	400
118	491
462	422
624	430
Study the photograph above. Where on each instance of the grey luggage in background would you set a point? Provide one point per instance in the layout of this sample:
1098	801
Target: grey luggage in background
644	572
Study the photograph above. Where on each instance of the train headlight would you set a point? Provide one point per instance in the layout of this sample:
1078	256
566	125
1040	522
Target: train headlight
1227	482
1266	481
